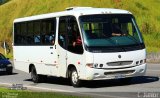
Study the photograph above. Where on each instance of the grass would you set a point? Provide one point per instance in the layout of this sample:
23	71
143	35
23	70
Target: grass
146	12
6	93
152	42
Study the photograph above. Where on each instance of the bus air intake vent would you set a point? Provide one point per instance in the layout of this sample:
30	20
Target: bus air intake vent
127	72
119	63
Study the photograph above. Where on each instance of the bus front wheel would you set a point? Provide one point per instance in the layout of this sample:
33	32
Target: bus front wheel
74	78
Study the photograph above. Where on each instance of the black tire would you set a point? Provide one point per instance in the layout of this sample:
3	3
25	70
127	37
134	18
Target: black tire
35	77
10	72
74	78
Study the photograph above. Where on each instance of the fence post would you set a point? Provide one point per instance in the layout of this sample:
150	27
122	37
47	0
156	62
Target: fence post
5	50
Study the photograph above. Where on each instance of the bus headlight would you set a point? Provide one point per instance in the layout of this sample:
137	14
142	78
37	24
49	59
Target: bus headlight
95	65
101	65
137	62
92	65
140	62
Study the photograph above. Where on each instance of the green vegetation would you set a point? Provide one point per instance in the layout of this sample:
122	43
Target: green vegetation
6	93
2	89
146	12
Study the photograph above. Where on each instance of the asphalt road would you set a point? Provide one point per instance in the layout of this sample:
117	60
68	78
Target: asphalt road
140	87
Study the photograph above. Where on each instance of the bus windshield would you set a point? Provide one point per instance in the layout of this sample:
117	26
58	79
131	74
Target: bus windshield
113	32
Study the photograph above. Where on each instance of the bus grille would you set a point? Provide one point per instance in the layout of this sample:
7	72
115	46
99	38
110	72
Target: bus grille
120	72
119	63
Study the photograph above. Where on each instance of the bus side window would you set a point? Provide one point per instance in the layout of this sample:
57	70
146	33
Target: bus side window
48	31
62	32
74	38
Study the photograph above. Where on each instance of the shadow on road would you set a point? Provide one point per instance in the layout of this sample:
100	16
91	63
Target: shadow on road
54	80
5	74
101	83
118	82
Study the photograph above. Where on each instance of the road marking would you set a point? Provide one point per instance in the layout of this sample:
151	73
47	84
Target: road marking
8	84
39	88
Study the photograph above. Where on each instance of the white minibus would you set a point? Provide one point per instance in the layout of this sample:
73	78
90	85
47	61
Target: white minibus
80	43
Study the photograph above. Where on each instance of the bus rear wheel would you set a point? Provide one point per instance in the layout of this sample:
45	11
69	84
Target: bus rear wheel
74	78
35	77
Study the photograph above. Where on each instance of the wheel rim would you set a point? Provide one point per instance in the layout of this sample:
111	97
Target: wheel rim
74	77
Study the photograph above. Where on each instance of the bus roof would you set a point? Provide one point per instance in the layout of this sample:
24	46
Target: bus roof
75	11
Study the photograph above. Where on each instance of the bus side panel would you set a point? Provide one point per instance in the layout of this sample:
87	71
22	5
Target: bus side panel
39	56
22	66
79	61
19	59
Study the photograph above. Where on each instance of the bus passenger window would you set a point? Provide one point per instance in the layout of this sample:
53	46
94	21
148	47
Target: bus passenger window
62	32
37	39
49	38
48	31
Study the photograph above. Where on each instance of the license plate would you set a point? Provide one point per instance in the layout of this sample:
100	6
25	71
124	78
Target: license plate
2	69
119	76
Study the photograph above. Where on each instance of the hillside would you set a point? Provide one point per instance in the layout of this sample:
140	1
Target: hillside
146	12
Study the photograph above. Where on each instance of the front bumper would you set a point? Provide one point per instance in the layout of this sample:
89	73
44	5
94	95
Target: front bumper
102	74
9	69
6	69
